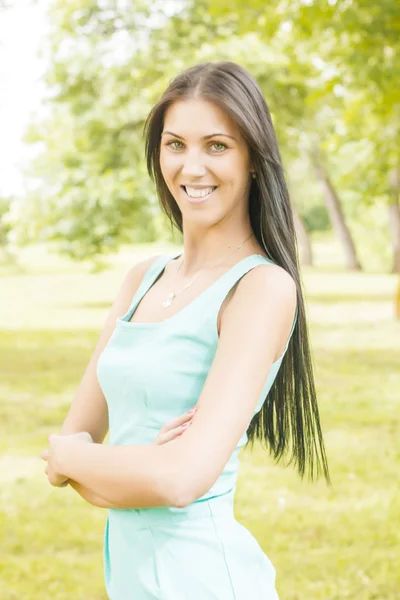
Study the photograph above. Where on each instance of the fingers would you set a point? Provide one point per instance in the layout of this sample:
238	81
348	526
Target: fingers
174	428
164	438
178	421
56	479
83	436
55	482
170	435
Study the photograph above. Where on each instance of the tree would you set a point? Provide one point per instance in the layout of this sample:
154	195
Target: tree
109	64
354	48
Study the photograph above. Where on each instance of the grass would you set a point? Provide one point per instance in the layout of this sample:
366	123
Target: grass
326	544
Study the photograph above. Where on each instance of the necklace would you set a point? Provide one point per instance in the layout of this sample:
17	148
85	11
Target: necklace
171	297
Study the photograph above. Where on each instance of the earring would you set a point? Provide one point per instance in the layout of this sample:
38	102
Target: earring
253	174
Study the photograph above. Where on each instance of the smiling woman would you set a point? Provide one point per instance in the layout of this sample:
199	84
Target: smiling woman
221	327
212	166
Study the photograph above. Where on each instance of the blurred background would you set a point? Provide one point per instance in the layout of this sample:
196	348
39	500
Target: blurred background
77	210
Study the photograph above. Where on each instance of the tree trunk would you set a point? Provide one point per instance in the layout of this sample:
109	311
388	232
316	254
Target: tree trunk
304	239
336	215
394	218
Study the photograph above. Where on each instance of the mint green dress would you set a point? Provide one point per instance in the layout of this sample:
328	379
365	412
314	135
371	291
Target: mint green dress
151	373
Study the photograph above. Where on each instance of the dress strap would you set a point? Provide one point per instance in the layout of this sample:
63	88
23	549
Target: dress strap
155	269
149	277
208	303
225	283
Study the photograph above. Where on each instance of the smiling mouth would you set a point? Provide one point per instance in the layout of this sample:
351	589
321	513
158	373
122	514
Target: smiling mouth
199	194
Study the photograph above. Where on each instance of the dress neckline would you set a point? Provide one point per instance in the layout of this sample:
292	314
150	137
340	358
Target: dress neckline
125	319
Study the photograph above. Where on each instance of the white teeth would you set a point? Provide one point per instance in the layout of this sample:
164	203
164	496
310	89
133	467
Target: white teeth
197	193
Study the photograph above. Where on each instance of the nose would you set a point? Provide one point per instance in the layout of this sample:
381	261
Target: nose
193	165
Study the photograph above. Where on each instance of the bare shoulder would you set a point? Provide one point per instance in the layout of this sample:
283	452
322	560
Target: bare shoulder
131	284
265	281
270	276
269	283
266	291
136	273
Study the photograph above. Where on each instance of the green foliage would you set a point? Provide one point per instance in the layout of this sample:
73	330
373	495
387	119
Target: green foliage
95	192
326	70
347	55
316	219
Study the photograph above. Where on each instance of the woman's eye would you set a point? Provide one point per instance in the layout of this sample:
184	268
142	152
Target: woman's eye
173	142
220	145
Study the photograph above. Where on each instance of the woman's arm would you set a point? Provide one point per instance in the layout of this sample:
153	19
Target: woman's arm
90	496
88	410
168	433
137	476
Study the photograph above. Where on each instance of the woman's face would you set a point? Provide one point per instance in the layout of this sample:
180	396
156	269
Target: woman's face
203	153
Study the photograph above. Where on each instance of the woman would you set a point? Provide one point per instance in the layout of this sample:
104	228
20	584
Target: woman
220	328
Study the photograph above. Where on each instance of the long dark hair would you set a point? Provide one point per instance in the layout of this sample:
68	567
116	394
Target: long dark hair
288	424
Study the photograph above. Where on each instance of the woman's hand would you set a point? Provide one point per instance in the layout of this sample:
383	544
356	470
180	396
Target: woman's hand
57	443
174	428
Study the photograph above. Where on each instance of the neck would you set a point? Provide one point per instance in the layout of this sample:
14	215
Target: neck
212	252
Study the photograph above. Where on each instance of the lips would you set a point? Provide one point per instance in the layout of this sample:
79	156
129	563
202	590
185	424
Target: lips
205	187
199	199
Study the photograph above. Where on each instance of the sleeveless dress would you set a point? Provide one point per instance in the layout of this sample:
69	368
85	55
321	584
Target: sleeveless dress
151	373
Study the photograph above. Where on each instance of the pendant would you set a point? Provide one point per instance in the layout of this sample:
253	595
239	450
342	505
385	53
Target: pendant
168	300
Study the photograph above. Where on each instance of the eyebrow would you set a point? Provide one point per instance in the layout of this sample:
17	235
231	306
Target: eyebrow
205	137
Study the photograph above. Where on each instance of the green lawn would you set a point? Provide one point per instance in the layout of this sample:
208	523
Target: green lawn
326	544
